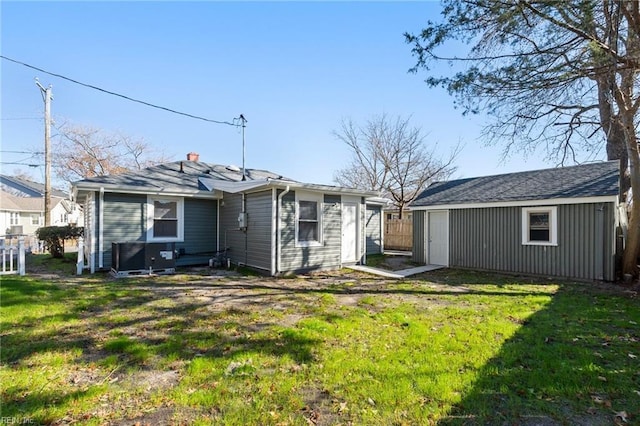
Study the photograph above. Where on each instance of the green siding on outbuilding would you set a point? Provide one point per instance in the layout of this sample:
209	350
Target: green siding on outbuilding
491	239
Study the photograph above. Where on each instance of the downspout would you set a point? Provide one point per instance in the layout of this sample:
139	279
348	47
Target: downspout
101	231
279	230
218	226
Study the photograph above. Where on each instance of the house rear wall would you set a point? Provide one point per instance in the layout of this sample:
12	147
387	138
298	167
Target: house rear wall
253	247
310	258
125	220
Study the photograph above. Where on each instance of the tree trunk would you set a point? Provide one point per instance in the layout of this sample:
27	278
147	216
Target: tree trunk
632	245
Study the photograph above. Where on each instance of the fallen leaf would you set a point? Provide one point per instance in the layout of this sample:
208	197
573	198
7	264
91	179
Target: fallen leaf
620	416
371	401
632	356
602	378
343	407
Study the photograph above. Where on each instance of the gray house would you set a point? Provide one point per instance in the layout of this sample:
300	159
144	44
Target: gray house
555	222
267	222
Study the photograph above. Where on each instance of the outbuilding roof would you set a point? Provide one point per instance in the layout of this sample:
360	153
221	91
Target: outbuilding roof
586	180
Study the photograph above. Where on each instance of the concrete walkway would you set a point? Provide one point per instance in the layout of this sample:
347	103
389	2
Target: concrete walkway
403	273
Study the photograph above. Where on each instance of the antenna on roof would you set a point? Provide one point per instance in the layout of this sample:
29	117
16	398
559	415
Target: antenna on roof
243	122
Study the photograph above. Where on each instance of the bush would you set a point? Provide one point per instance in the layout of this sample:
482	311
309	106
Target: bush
55	236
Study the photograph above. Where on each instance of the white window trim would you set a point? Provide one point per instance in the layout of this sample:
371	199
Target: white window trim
37	218
553	225
14	218
150	212
310	196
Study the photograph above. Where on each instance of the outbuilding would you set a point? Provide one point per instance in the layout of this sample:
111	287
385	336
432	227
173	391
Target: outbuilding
560	222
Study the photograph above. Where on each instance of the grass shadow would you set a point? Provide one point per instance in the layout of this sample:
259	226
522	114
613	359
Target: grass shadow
563	366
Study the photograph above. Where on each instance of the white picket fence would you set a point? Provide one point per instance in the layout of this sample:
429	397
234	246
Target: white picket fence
13	259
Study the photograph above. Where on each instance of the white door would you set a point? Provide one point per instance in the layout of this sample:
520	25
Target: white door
349	232
438	242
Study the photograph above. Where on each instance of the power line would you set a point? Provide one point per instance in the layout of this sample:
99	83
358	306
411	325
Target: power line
120	95
21	164
21	152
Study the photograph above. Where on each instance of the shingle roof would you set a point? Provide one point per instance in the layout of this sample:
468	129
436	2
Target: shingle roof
28	187
9	202
587	180
178	175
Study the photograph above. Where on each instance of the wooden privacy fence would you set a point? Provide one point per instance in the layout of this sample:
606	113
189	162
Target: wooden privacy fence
398	234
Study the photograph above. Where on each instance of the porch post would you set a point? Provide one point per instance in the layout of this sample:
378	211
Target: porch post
21	264
80	261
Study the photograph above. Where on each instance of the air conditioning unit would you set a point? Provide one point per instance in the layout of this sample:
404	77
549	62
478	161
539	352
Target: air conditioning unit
160	256
137	257
127	256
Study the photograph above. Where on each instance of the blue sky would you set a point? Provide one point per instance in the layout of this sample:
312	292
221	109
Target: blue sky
294	69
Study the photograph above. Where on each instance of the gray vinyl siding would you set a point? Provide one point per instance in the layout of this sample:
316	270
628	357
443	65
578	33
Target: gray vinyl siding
252	248
259	229
200	232
326	256
490	239
373	226
124	217
419	236
230	235
125	220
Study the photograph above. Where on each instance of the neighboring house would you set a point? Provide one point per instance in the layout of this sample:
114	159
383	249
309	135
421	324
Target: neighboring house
266	221
23	215
555	222
69	214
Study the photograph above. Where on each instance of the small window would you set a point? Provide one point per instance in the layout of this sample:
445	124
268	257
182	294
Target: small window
309	224
35	219
539	226
14	218
165	219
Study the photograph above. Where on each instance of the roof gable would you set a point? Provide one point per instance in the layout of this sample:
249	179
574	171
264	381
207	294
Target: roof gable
587	180
26	188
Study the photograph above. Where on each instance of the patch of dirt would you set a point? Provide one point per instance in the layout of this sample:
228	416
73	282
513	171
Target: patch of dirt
397	263
152	380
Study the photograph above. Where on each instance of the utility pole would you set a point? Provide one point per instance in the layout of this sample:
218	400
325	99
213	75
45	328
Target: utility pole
243	121
47	96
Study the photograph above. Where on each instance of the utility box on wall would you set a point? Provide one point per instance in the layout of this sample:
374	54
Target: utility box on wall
137	257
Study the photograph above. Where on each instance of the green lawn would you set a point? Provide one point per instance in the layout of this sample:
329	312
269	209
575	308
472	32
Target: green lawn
449	347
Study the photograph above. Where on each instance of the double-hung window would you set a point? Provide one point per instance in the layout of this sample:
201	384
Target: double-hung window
540	226
165	219
14	218
35	219
308	219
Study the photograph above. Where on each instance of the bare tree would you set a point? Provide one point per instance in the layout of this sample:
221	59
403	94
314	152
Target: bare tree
81	152
390	156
